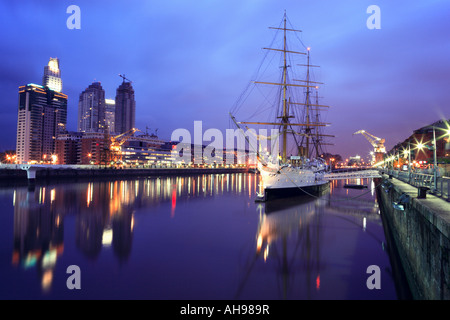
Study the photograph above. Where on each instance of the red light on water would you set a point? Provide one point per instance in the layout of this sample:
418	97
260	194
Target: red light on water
174	202
318	282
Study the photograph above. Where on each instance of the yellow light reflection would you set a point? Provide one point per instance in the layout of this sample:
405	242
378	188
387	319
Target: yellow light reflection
49	258
47	279
266	253
89	194
107	237
259	242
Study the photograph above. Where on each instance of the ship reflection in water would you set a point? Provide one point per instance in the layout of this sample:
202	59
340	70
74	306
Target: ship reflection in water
283	232
192	237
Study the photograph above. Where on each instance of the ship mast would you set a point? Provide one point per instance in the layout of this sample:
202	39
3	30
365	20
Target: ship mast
285	115
307	129
317	121
284	122
309	109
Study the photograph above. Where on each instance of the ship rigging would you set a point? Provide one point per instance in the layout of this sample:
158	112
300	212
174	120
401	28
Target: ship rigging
300	118
299	168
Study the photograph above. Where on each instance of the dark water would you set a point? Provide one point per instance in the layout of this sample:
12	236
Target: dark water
200	237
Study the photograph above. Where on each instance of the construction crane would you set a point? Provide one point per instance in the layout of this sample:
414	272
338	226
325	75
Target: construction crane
118	141
124	78
377	144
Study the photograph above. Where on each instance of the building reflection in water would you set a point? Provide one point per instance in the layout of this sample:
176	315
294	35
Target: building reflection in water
104	214
38	232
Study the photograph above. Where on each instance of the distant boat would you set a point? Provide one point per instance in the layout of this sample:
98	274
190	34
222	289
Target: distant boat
282	175
354	186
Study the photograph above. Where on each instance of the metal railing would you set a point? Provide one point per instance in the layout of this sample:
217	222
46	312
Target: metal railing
440	189
352	174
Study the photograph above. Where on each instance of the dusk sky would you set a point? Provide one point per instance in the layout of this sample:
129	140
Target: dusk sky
190	60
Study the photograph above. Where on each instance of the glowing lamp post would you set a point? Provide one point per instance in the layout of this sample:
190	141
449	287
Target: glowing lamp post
435	160
434	147
420	146
408	152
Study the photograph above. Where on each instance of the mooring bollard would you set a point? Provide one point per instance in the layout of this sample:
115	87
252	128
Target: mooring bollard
422	192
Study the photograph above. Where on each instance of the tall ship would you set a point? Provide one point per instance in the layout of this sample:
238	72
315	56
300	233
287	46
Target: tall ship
291	162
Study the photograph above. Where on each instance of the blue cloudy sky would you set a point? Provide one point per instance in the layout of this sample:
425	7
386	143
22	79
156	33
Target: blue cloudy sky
190	60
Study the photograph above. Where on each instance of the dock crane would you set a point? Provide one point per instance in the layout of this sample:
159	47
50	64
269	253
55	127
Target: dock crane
377	144
118	141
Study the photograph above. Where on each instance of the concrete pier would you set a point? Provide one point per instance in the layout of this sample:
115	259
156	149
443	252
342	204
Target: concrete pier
421	230
31	174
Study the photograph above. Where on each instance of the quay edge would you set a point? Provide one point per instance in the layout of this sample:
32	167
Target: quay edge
421	233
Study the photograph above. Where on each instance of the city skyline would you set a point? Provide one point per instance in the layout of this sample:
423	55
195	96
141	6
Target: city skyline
191	62
52	75
91	109
42	116
125	108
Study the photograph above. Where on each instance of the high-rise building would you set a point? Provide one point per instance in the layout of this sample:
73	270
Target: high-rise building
91	109
93	148
68	148
110	111
125	108
52	75
42	115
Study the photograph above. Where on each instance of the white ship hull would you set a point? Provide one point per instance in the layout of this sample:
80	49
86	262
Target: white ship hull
286	181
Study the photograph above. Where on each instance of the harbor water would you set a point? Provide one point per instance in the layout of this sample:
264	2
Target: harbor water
197	237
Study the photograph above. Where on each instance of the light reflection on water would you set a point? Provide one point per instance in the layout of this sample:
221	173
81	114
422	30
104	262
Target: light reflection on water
190	237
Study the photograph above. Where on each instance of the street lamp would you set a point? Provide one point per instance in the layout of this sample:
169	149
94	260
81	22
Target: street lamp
447	132
409	161
435	160
420	146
